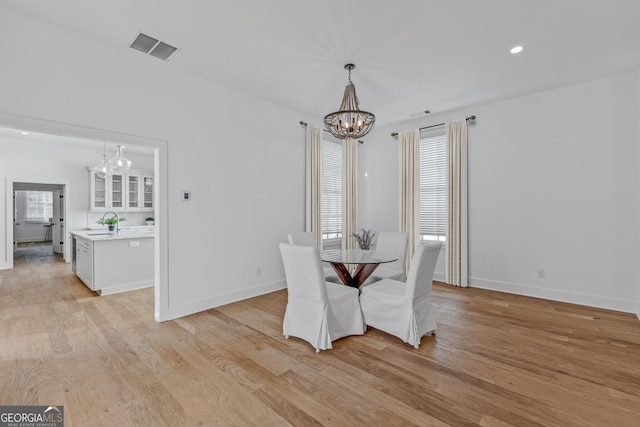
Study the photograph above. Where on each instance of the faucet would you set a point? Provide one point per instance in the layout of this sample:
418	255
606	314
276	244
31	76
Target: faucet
117	220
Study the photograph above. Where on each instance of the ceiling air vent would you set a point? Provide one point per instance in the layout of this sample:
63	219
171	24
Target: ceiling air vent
153	47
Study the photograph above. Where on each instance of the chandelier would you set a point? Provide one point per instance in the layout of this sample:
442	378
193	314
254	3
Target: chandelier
119	164
349	121
103	169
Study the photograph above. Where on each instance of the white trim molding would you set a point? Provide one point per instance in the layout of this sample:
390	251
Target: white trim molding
554	295
196	306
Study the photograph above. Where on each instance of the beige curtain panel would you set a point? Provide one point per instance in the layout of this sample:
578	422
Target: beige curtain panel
456	269
349	193
314	184
410	188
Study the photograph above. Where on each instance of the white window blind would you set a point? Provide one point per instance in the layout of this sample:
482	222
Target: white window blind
433	187
39	205
331	190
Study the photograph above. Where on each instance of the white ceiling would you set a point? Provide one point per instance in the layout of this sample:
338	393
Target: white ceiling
410	55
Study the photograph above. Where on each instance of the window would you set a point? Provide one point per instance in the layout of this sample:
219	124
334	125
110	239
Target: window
433	186
39	205
331	190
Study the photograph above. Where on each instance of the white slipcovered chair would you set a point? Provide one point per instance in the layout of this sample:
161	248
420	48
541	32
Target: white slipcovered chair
318	311
304	238
395	244
404	309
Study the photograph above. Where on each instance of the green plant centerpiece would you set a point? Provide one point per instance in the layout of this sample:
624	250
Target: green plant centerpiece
364	238
150	221
110	222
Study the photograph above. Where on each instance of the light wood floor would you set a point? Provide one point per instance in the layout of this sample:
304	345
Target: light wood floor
497	360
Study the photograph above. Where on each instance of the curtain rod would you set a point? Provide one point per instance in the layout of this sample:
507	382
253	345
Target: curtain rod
324	130
470	118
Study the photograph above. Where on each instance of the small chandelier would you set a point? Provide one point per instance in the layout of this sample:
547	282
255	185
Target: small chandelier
119	163
349	121
104	169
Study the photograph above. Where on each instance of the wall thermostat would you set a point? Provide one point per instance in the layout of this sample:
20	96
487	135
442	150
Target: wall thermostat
186	196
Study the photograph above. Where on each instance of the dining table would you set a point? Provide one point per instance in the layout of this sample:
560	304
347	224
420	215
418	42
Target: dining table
361	262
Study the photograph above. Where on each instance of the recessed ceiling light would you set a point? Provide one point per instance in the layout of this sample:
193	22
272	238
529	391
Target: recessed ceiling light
24	133
517	49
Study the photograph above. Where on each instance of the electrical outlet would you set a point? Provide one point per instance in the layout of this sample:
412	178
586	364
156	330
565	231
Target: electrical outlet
541	274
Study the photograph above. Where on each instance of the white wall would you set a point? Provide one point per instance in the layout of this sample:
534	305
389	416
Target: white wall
241	158
553	184
638	122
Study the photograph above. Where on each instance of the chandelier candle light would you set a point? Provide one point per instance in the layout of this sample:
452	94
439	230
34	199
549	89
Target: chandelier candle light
349	122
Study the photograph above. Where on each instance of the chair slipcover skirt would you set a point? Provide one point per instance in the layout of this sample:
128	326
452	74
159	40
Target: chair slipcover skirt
404	309
319	323
397	317
318	311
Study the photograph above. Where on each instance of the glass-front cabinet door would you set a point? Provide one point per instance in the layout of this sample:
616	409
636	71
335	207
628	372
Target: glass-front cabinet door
133	184
117	195
148	192
124	192
99	192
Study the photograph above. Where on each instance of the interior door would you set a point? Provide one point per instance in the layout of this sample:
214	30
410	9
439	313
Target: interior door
57	222
15	245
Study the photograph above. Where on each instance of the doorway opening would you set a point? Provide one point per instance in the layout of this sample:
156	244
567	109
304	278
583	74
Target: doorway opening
38	220
72	140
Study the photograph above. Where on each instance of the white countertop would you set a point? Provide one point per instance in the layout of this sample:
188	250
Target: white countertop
130	233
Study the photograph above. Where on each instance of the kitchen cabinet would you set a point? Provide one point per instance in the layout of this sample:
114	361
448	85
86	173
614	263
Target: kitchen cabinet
139	191
110	263
84	261
132	191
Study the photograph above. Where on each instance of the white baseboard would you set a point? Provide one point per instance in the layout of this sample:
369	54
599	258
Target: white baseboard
192	307
555	295
125	288
438	277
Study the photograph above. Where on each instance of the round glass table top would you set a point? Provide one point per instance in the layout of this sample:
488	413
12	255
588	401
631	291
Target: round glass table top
356	256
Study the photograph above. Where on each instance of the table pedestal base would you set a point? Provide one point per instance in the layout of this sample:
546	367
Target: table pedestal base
362	273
